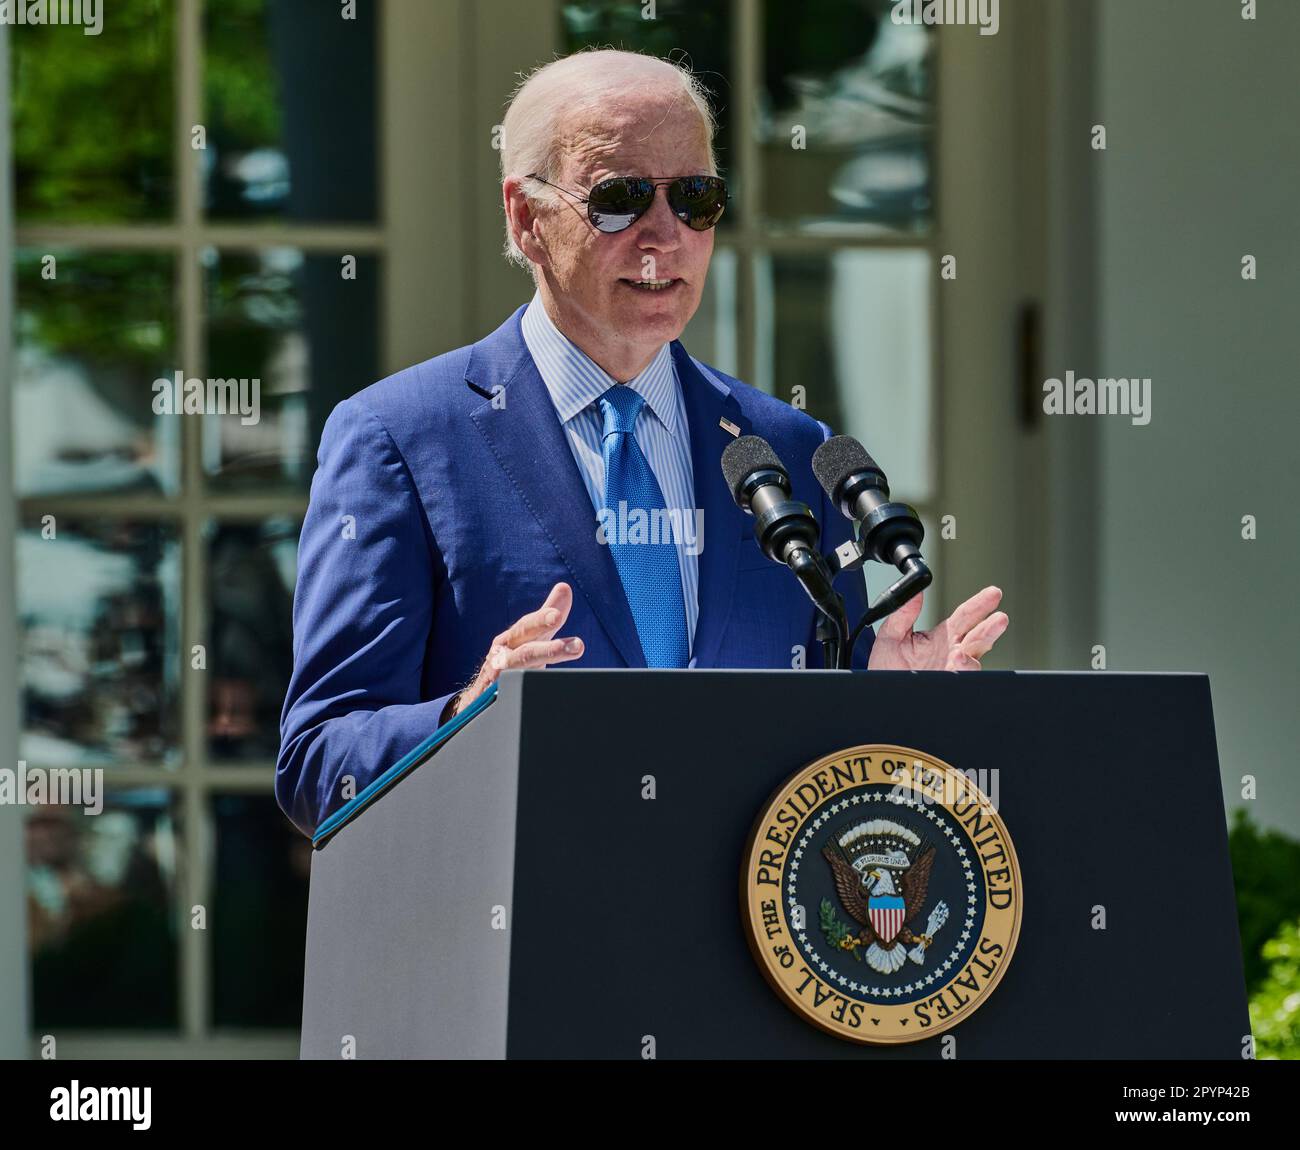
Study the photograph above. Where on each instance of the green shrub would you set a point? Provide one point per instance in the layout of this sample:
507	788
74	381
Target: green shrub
1266	872
1275	1006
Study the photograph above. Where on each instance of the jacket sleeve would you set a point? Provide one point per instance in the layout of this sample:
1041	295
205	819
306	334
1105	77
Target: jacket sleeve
837	528
362	614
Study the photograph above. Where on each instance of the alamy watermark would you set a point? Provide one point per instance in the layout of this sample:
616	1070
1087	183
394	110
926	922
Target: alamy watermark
676	525
78	1103
1078	395
181	396
87	13
982	13
54	786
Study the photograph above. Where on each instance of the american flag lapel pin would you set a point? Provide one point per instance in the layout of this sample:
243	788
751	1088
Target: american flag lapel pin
727	425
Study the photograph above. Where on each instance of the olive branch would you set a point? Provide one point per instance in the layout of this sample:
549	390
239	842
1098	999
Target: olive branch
836	930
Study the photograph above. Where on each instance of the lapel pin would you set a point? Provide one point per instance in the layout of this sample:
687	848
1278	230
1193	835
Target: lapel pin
727	425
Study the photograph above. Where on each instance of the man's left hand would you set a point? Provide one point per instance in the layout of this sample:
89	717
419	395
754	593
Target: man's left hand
956	644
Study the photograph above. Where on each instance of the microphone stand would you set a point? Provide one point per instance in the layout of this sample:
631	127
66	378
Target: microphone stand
850	556
830	633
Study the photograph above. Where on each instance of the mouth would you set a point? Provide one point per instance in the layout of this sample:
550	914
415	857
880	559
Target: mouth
665	285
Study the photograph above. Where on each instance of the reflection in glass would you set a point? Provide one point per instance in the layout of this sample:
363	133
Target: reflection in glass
259	919
844	117
289	99
98	641
307	334
251	572
93	331
697	32
853	328
93	116
101	914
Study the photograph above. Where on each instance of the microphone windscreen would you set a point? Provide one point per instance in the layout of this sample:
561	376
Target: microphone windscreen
743	457
838	458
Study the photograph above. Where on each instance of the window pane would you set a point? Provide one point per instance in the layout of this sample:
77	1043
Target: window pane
98	641
289	105
259	919
696	31
844	117
251	571
101	913
94	330
307	335
853	328
93	132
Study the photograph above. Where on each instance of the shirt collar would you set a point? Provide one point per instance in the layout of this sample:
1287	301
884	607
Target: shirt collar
576	381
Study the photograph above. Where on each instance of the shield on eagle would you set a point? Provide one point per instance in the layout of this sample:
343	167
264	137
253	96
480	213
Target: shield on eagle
886	913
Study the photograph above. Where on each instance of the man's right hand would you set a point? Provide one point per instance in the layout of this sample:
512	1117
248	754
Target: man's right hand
528	642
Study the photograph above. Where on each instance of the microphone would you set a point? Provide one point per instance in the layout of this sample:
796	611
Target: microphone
853	481
785	528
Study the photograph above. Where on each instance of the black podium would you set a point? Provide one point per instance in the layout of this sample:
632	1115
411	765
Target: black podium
519	894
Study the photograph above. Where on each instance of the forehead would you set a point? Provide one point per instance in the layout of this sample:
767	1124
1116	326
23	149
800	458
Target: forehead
663	138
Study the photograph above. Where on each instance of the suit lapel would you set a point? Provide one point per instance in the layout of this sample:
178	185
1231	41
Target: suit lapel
526	438
708	401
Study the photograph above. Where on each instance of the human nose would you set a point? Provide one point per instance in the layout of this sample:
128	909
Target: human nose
659	226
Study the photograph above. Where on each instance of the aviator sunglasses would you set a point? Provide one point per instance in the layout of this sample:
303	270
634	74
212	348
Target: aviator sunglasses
616	204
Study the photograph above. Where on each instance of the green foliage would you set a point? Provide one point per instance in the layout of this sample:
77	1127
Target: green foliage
93	117
1265	866
107	309
95	131
1275	1007
835	929
243	106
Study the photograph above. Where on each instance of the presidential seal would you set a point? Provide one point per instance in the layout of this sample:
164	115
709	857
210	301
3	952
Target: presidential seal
881	894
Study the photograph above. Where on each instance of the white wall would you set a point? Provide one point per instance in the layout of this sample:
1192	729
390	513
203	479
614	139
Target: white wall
1202	167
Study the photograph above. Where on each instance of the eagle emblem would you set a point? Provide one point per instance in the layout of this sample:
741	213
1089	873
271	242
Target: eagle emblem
882	876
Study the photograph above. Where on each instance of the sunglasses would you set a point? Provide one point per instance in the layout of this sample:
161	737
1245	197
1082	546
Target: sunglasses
615	205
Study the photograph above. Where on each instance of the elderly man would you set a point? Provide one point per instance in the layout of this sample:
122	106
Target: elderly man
469	514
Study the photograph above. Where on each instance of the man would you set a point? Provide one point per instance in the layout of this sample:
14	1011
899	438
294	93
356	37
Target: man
468	513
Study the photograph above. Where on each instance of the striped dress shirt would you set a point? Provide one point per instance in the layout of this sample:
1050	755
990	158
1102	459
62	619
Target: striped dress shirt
575	383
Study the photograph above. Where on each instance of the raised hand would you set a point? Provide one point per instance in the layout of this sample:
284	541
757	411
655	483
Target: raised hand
527	642
956	644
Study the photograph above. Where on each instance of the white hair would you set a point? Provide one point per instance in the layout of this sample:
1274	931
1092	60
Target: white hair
554	94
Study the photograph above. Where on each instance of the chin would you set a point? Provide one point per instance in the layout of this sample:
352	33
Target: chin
667	318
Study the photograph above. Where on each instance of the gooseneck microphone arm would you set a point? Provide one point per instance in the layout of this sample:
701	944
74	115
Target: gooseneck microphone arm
890	532
788	533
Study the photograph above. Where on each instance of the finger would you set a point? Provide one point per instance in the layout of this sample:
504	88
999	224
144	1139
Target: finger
898	626
958	660
539	624
975	610
980	638
536	654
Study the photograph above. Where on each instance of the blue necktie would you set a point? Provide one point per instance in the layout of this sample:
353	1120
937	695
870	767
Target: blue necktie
649	568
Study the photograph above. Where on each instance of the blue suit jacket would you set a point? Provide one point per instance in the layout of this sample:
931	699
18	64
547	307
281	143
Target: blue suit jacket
437	518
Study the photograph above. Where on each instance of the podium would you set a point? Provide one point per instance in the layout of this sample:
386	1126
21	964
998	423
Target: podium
560	878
